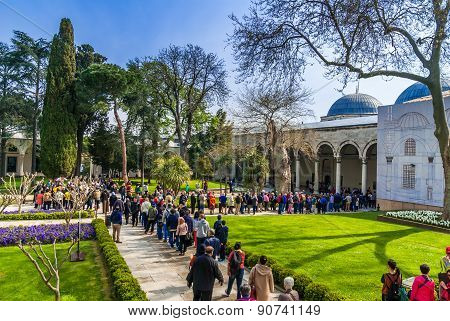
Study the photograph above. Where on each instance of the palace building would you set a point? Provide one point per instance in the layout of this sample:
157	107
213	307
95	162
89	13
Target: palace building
360	144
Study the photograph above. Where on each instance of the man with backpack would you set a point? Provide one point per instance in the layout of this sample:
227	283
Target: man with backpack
151	219
236	261
392	282
423	286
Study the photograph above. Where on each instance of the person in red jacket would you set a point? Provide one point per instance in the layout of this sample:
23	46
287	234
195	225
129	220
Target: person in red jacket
423	286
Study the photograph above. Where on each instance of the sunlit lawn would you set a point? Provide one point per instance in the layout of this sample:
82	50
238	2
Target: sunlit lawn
80	281
348	252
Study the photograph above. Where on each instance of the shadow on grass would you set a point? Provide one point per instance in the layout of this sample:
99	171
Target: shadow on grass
379	239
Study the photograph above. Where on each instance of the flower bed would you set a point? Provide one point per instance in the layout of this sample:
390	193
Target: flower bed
40	215
424	217
32	211
126	287
44	233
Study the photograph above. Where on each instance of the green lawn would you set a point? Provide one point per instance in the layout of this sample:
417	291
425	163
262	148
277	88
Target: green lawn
348	252
80	281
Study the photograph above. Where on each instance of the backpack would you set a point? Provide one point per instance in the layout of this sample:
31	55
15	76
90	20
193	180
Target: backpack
235	263
394	291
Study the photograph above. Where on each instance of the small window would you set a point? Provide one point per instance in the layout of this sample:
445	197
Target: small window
410	147
409	176
12	149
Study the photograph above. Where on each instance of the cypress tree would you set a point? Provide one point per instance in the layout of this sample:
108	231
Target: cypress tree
58	131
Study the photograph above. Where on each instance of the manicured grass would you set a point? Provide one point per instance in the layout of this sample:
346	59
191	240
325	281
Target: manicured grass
80	281
347	252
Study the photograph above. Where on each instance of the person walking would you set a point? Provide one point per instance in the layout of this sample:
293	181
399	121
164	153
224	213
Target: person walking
116	219
392	281
222	235
145	207
289	293
261	279
152	212
182	231
193	202
235	269
423	286
172	225
214	242
202	230
203	273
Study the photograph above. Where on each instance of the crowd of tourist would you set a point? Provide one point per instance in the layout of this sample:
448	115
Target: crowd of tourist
170	216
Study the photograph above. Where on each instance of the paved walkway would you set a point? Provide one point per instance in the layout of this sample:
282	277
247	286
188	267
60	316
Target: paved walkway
159	269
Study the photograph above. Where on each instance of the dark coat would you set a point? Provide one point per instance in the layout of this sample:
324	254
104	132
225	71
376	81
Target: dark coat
222	234
203	273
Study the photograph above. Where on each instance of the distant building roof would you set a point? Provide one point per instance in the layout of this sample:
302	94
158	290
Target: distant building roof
417	90
354	121
354	104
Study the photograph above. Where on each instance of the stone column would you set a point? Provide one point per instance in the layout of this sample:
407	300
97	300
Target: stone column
297	173
338	174
20	161
364	175
316	176
233	168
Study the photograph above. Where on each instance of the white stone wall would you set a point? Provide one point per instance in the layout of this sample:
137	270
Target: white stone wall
396	124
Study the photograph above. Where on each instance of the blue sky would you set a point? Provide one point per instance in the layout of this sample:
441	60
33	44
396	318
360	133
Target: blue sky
125	29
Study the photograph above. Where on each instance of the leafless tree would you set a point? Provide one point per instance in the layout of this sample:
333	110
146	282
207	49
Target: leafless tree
48	270
272	111
19	193
352	39
5	201
80	190
188	79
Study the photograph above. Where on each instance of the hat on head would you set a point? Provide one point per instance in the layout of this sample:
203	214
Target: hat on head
447	250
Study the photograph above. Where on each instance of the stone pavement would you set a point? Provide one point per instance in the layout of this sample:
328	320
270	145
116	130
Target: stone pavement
159	269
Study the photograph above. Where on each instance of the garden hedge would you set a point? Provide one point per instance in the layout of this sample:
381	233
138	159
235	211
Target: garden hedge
304	285
43	216
125	285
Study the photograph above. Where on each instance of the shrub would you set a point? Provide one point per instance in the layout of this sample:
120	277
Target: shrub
43	216
304	285
125	285
320	292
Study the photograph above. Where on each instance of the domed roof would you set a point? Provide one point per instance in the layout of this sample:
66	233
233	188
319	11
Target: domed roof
417	90
413	120
355	104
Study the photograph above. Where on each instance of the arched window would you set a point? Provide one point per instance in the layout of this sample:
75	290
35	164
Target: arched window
409	176
410	147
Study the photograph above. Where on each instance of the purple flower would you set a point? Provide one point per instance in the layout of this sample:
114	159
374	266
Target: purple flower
44	233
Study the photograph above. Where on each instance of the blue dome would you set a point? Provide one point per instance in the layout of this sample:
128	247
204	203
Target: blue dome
355	104
417	90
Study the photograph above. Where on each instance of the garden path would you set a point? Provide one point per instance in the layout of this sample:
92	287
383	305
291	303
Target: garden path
160	271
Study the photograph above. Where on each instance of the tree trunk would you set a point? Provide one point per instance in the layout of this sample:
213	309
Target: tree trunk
35	117
80	136
442	134
122	143
2	152
143	162
34	145
446	163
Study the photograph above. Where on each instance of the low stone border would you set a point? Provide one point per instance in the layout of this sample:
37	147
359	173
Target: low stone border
383	218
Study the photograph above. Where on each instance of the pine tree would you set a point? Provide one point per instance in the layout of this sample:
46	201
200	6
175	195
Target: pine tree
58	132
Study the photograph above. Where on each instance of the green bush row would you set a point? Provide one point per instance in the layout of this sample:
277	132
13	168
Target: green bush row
44	216
304	285
125	285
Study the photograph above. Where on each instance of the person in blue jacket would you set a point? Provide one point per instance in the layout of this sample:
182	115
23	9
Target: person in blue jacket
214	242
